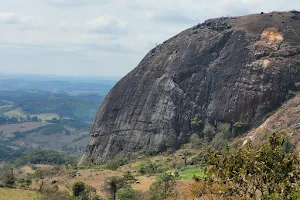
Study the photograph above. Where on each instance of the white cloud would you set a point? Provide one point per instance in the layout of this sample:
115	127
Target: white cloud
107	25
27	22
170	16
31	22
128	31
8	18
74	2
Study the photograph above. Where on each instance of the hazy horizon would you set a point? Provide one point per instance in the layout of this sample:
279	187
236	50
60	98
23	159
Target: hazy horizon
56	76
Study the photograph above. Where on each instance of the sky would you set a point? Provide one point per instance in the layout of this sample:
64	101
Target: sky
102	37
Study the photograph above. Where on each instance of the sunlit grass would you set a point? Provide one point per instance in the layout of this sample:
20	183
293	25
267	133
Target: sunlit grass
188	174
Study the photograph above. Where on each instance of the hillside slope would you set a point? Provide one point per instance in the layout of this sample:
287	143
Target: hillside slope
285	120
227	70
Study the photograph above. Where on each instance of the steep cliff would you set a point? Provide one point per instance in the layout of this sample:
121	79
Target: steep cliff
225	70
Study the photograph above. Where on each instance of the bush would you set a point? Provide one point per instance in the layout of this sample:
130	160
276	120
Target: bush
219	141
196	124
78	189
297	85
115	164
21	180
113	184
195	140
8	178
266	169
209	132
163	188
45	172
128	193
149	167
238	128
45	157
129	178
225	130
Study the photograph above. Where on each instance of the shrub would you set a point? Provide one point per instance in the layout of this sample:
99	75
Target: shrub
128	193
21	180
196	124
113	184
115	163
225	129
8	178
129	178
219	141
78	189
195	140
209	132
265	169
297	85
149	167
163	188
238	128
45	172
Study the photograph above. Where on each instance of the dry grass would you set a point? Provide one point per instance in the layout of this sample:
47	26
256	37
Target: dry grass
18	112
16	194
47	116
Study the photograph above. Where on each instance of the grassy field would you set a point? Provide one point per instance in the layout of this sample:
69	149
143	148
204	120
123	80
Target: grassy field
22	127
189	173
18	112
16	194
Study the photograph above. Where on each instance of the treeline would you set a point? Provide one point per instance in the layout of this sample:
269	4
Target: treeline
44	157
80	109
9	154
62	126
14	120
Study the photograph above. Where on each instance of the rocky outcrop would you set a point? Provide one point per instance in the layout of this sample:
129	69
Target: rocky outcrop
225	70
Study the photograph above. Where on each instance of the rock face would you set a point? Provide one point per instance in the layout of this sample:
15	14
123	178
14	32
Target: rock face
225	70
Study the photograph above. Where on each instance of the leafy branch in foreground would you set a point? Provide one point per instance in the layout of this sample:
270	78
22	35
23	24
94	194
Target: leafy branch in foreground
262	171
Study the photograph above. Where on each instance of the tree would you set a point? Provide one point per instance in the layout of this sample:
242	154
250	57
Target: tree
128	193
113	184
9	178
185	157
67	132
163	188
78	189
34	119
266	169
196	124
238	128
209	132
195	140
